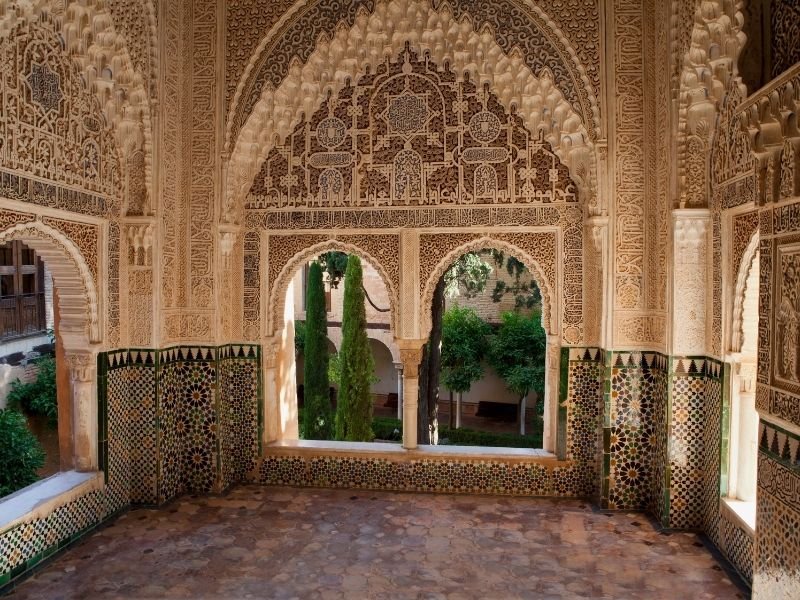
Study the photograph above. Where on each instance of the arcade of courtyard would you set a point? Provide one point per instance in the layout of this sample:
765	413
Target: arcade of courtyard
175	166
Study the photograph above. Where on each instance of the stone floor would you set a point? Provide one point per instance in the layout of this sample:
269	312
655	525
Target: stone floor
261	542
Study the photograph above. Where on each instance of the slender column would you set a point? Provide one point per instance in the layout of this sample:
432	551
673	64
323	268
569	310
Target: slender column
399	367
84	410
411	357
272	412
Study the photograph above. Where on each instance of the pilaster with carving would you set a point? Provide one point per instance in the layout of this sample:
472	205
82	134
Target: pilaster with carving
82	374
691	289
139	301
230	271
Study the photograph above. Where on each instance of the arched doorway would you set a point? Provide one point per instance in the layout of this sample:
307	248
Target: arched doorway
282	361
77	327
548	311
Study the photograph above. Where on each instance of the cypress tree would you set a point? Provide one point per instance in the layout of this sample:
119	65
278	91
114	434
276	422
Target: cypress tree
354	408
317	415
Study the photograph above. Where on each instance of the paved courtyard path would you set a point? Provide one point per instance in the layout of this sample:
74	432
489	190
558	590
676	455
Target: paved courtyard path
259	542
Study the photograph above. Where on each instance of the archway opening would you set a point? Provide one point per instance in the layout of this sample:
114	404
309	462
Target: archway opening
743	451
381	369
76	326
34	380
483	371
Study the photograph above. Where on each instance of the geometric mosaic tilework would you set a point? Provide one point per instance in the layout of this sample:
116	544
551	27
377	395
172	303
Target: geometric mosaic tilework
240	418
717	521
169	448
130	424
780	445
712	454
686	428
777	559
24	546
179	420
512	477
188	416
633	396
584	410
736	544
659	500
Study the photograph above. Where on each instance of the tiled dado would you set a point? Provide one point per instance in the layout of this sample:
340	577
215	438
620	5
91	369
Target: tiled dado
776	572
169	422
24	546
634	420
529	477
576	474
736	543
185	419
693	417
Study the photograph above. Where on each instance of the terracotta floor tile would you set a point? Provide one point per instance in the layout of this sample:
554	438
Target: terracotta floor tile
261	542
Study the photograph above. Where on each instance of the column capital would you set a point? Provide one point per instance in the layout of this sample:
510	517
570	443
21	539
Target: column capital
411	355
81	366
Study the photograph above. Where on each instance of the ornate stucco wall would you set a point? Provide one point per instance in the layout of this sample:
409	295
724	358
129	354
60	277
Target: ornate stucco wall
175	162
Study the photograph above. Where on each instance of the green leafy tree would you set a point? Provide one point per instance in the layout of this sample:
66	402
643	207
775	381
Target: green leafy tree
464	345
354	408
21	455
317	414
522	287
39	397
517	354
467	277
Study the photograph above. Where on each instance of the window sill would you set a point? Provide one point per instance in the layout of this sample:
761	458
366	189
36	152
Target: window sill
41	498
396	450
743	512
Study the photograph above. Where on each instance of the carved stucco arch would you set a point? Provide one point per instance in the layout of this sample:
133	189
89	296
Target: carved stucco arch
343	57
705	72
549	300
541	19
740	287
276	295
91	40
78	298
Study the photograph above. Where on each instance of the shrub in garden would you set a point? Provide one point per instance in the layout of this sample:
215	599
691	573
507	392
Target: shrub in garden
39	397
21	455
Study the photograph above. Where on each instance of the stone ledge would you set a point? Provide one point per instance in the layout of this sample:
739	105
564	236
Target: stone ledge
391	451
743	513
39	500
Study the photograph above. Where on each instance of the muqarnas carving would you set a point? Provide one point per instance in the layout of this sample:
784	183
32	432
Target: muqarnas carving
410	135
50	125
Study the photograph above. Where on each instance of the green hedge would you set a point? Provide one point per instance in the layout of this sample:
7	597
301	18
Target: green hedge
386	428
389	429
469	437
